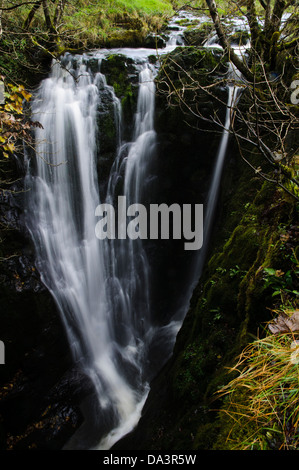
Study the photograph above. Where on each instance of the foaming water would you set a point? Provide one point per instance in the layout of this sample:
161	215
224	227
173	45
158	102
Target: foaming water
101	287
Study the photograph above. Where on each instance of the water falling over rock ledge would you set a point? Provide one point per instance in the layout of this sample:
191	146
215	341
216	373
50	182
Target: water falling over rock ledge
181	164
76	386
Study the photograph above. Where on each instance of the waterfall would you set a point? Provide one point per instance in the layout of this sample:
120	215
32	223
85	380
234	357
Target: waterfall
234	80
101	287
212	198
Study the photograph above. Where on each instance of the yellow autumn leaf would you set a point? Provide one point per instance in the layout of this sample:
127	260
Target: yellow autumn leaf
9	146
17	107
26	95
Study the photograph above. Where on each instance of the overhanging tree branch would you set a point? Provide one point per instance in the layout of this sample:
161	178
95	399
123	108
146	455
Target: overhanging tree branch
239	63
13	7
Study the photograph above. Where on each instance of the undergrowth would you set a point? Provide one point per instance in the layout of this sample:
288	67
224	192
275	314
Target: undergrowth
262	403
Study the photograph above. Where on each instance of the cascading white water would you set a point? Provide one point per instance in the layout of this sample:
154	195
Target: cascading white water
130	266
234	80
212	198
100	288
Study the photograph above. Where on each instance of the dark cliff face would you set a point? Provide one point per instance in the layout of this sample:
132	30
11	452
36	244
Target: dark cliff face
185	159
37	384
41	391
179	407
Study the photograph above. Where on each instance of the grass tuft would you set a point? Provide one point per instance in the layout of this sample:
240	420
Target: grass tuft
262	402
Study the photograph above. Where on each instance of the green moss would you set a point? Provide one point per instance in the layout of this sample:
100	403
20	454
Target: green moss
255	243
119	71
126	38
195	60
116	68
190	372
227	434
197	36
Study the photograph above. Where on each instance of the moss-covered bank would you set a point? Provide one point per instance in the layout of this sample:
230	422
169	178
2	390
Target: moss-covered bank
27	47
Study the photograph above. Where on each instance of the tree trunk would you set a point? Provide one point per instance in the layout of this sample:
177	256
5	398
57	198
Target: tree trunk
276	17
1	31
58	12
31	14
241	66
267	15
253	23
272	28
49	24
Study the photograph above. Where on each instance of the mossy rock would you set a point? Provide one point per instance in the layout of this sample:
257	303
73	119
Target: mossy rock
189	69
154	41
195	59
122	74
198	36
119	70
239	38
125	38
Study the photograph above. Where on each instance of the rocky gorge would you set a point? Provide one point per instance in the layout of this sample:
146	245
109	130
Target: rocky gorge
44	398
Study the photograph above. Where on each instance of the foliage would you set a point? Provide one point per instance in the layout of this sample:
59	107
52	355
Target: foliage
82	23
260	408
14	126
264	116
262	401
281	282
32	33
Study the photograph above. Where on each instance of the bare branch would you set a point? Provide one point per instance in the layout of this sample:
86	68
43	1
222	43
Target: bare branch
17	6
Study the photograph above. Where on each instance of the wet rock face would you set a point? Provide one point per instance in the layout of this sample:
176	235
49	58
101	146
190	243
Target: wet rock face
57	413
185	158
154	41
35	407
121	75
184	120
196	36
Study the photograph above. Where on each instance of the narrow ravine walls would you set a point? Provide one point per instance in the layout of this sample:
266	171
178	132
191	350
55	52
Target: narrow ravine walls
166	275
53	395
